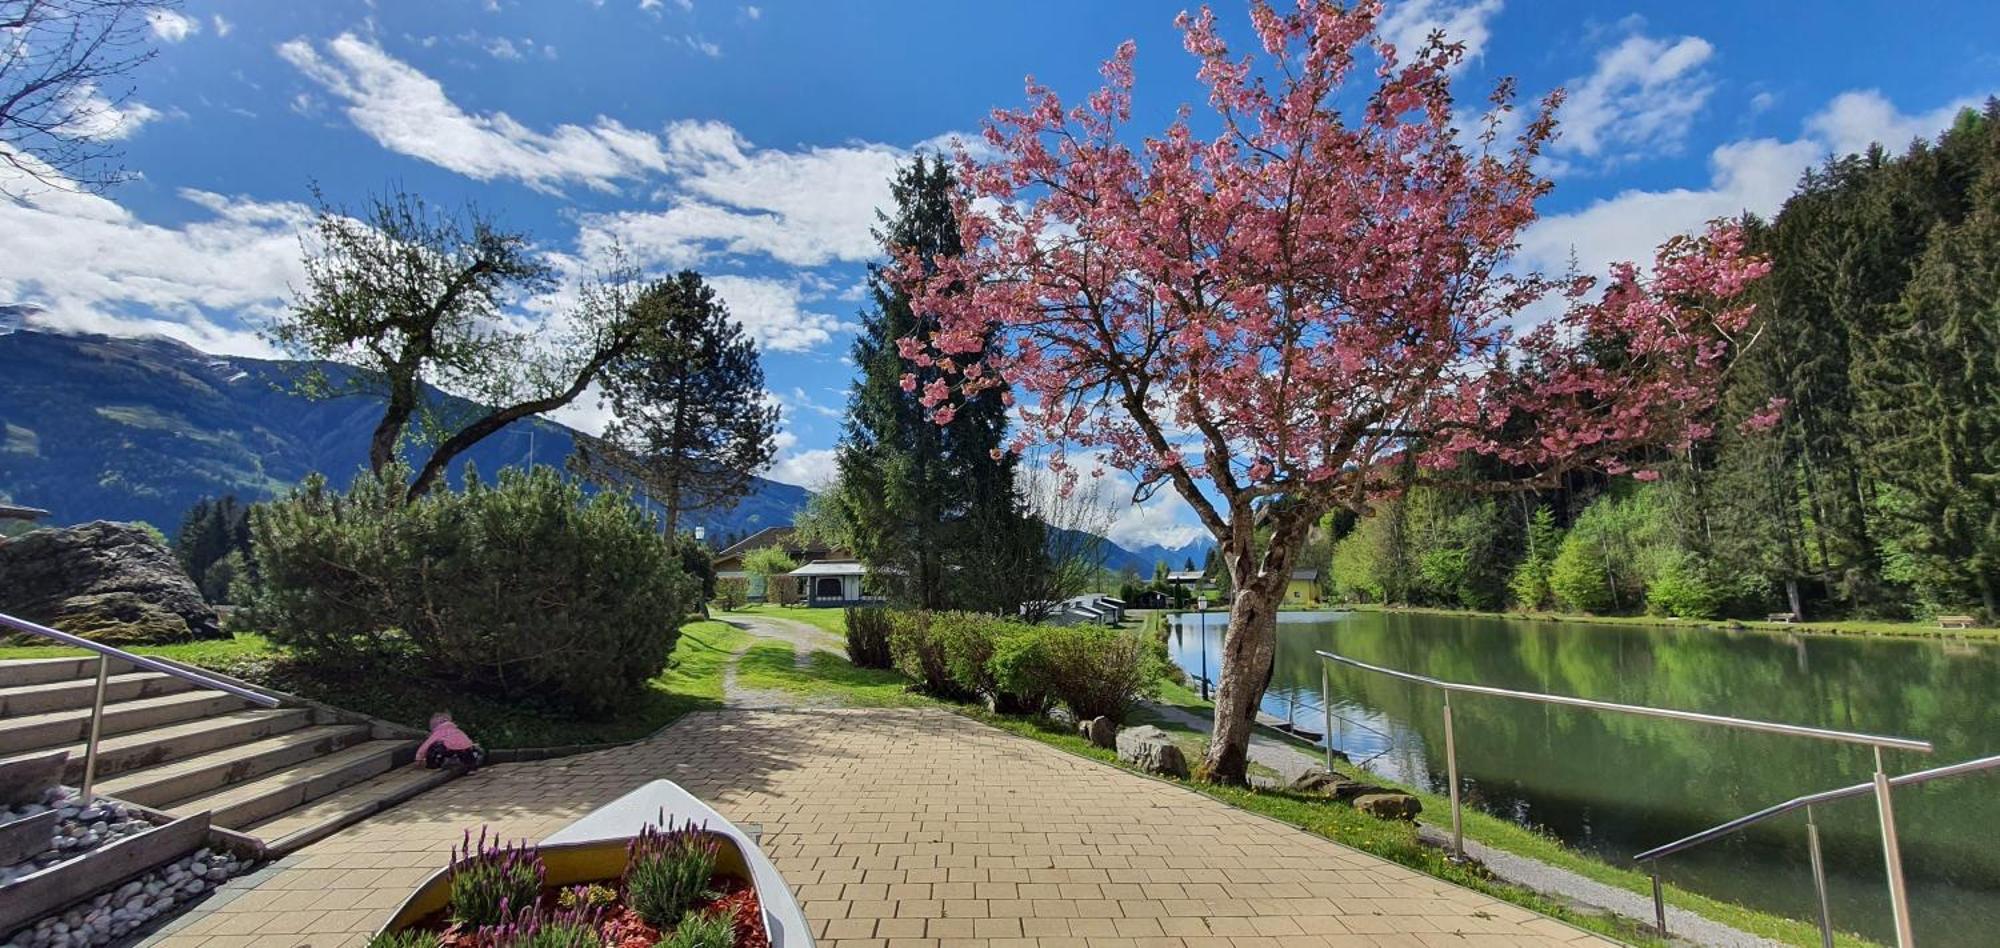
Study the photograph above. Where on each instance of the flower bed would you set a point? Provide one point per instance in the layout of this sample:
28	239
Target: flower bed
672	888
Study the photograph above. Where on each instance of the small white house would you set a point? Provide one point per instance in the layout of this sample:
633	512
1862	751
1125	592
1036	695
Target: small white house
830	582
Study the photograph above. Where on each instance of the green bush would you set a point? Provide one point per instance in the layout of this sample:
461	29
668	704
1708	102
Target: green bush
667	871
732	593
524	586
1090	670
1681	588
919	654
868	630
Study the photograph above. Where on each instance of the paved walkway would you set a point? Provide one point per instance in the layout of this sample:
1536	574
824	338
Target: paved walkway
909	828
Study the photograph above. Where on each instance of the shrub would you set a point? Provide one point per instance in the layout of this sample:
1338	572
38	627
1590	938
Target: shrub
732	593
525	585
1091	670
1681	588
404	940
667	872
972	644
868	630
490	884
918	654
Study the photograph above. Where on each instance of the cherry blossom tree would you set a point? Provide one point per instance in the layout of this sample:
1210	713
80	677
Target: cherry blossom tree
1310	305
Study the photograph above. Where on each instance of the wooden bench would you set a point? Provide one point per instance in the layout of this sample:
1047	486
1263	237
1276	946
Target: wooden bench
1782	617
1954	622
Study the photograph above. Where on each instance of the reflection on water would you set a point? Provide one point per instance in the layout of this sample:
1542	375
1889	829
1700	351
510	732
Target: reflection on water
1614	785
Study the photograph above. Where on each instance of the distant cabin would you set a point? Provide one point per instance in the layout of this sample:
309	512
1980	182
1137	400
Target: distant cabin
826	576
1303	588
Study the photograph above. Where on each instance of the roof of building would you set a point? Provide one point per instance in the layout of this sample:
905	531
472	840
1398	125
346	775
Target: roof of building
1309	575
12	512
769	536
1185	576
831	568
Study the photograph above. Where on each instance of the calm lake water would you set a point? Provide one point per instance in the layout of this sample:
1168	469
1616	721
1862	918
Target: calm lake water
1615	785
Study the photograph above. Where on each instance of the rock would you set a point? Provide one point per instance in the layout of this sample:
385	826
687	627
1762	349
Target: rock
111	582
1149	749
1101	731
1339	787
1389	806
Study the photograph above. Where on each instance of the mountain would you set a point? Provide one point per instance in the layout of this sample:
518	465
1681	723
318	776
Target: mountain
113	428
104	428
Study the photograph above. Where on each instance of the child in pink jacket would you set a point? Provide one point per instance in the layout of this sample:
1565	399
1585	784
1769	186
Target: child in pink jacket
448	744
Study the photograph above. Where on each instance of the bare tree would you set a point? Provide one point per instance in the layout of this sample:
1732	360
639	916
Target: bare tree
58	120
1074	523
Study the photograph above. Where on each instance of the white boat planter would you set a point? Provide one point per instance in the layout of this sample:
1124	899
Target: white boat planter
595	848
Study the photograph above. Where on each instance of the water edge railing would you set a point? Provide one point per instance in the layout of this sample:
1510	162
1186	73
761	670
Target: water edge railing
1899	904
1806	802
105	655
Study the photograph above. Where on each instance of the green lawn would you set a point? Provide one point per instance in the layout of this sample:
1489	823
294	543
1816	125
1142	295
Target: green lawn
772	666
832	620
691	682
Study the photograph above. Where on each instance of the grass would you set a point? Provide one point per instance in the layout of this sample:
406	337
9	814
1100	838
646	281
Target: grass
772	666
1870	627
831	620
692	681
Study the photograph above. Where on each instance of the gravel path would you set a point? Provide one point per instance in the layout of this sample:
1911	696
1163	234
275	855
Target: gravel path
804	639
1290	760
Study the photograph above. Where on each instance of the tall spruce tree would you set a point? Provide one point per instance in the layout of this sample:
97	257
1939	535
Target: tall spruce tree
691	424
932	508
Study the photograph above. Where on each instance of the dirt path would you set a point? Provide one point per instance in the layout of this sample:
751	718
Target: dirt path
804	639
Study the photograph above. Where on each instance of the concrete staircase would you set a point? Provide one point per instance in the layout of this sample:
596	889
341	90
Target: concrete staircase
287	775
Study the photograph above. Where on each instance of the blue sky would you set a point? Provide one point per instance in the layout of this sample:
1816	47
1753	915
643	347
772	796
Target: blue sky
752	142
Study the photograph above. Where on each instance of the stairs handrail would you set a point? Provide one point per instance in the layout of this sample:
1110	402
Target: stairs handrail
105	655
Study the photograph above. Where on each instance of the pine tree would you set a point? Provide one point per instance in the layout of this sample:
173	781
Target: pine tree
932	508
691	426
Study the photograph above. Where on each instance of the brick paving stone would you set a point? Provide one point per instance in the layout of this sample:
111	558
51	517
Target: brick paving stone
906	827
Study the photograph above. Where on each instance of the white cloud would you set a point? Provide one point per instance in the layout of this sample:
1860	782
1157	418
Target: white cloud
703	45
222	27
1754	175
97	268
501	47
754	12
172	27
408	112
1855	120
812	470
770	312
1407	25
97	117
1641	99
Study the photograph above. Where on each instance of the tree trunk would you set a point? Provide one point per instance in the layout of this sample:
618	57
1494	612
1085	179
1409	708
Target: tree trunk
1792	596
395	417
1248	647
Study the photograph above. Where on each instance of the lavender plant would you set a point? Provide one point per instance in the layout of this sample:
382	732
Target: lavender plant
404	940
703	930
667	872
491	884
568	928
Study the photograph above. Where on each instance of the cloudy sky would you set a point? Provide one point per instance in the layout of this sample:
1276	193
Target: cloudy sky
753	142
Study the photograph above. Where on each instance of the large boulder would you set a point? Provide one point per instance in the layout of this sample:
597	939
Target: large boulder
1338	786
1151	750
112	582
1100	730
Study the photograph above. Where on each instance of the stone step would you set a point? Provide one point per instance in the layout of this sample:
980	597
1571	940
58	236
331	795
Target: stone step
124	753
81	692
244	804
38	671
329	814
207	773
59	728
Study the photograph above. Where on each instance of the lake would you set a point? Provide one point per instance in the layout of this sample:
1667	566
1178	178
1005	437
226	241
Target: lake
1615	785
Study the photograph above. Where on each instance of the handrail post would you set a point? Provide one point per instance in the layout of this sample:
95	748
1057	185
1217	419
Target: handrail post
1451	773
1892	857
1659	903
1819	880
1326	706
96	728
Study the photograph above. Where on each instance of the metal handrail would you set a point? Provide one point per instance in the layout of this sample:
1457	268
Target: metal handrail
1806	803
1772	727
1891	850
105	655
1813	799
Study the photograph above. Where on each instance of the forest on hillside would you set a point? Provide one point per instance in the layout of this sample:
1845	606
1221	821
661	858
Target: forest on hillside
1875	495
